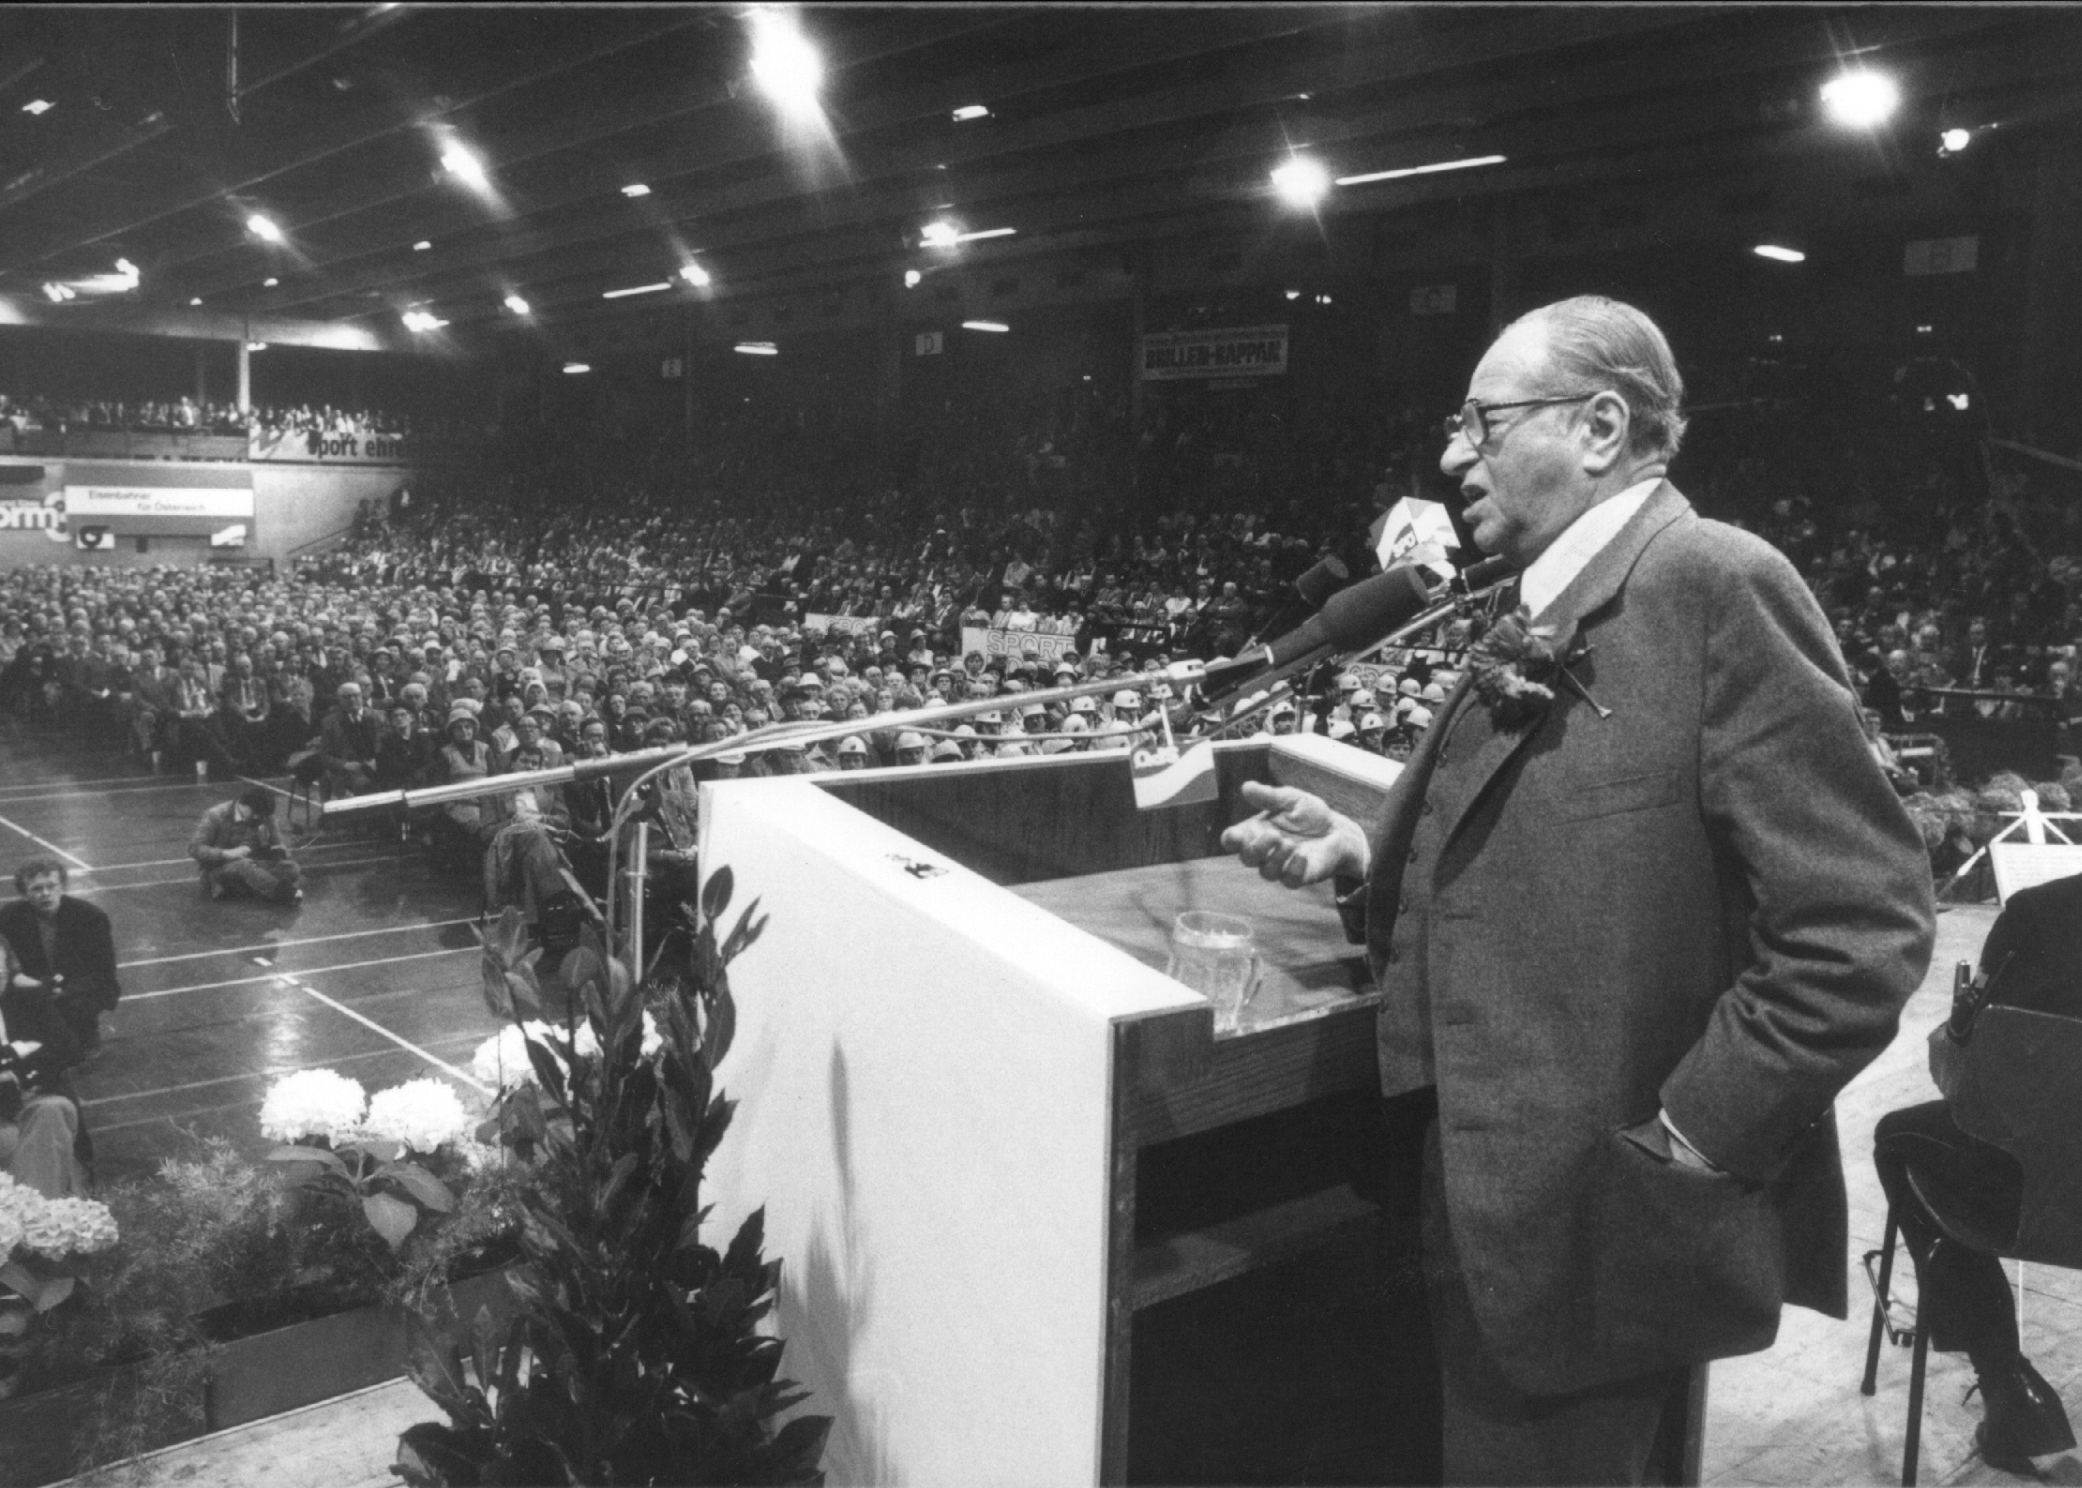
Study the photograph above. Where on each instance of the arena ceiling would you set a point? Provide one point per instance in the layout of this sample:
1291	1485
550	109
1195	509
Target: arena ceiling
163	131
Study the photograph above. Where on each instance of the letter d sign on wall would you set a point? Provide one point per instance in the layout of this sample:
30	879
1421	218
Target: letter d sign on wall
930	343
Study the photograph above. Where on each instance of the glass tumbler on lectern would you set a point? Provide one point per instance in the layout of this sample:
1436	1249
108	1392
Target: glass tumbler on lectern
1215	955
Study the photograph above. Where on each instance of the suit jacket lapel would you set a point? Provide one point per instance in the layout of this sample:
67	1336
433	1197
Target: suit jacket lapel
1590	591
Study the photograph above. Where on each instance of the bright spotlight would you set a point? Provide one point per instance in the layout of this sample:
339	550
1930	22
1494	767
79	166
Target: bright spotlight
264	229
269	283
421	246
912	278
1293	294
1861	99
635	189
696	275
256	346
517	305
572	369
784	64
1778	254
195	302
985	325
38	107
756	348
941	234
1955	140
1301	182
421	321
969	111
465	167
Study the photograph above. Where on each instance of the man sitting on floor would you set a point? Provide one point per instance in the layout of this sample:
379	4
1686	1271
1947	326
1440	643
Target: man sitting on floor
63	944
236	845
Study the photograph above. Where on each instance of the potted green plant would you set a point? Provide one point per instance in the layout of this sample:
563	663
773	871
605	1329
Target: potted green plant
635	1353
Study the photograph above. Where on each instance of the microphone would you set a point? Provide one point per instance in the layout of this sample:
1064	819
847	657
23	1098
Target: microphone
1349	619
1315	586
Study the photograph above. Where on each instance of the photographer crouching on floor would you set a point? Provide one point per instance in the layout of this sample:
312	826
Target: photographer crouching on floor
240	854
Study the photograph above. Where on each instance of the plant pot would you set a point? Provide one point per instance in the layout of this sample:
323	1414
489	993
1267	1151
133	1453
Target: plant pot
38	1431
303	1363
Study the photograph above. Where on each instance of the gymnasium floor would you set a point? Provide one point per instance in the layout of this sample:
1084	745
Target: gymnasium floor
374	974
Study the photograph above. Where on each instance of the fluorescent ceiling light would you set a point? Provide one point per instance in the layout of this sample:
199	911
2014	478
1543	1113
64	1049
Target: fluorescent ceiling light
38	107
1301	181
988	232
422	245
1779	254
696	275
516	304
1421	170
196	301
757	348
263	228
636	289
1861	98
269	283
466	167
635	189
970	111
572	369
256	346
985	325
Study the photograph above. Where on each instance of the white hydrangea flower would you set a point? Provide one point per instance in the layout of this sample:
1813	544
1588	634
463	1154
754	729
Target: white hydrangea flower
502	1059
11	1233
422	1115
61	1227
312	1103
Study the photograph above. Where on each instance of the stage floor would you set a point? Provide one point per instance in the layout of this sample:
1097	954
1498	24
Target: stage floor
374	974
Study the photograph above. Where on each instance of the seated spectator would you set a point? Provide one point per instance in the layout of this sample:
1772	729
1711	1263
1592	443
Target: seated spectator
64	945
240	854
347	744
39	1115
2030	961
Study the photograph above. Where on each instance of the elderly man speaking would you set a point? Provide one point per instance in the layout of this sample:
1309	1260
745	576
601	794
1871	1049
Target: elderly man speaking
1641	903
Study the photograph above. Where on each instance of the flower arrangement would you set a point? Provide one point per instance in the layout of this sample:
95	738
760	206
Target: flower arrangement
44	1242
313	1103
349	1146
1518	664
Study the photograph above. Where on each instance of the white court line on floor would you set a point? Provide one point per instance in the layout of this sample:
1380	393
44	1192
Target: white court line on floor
290	979
67	781
175	862
130	997
160	883
141	790
79	863
263	1074
283	945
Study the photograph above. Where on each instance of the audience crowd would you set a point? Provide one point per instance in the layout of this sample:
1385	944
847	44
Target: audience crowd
36	413
569	598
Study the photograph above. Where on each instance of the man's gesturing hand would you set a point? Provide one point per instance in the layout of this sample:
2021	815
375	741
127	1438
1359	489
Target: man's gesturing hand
1295	839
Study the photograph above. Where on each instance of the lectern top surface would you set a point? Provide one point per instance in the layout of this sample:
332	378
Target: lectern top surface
1310	969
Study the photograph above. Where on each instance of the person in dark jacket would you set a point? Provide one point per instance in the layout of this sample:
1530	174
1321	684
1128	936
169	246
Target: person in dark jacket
2032	959
64	945
39	1114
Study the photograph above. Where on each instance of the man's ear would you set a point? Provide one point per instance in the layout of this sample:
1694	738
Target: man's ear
1608	423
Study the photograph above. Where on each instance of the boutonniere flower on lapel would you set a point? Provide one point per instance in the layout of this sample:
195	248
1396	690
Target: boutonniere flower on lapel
1517	665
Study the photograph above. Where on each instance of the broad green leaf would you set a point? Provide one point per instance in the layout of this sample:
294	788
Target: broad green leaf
392	1218
715	894
420	1184
319	1155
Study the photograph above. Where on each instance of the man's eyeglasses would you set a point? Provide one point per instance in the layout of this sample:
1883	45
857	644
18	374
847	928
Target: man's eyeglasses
1472	422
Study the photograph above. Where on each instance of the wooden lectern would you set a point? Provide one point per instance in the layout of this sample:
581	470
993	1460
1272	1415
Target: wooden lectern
957	1044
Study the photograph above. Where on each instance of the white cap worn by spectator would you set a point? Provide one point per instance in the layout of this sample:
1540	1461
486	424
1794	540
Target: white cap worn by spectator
1419	718
946	749
1348	683
1372	723
853	744
1341	728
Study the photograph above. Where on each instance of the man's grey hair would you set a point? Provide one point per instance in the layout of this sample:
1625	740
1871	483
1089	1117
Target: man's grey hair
1595	343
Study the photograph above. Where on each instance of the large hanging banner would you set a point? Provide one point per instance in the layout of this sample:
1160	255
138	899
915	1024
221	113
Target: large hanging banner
1232	351
310	447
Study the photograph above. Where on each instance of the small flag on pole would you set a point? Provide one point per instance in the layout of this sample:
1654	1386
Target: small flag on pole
1414	531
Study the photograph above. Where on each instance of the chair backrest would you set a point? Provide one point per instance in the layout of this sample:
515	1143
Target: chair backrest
2020	1089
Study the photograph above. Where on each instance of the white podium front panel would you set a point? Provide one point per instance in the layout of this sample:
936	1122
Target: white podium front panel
922	1067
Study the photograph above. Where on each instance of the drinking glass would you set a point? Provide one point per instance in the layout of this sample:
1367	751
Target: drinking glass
1215	956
